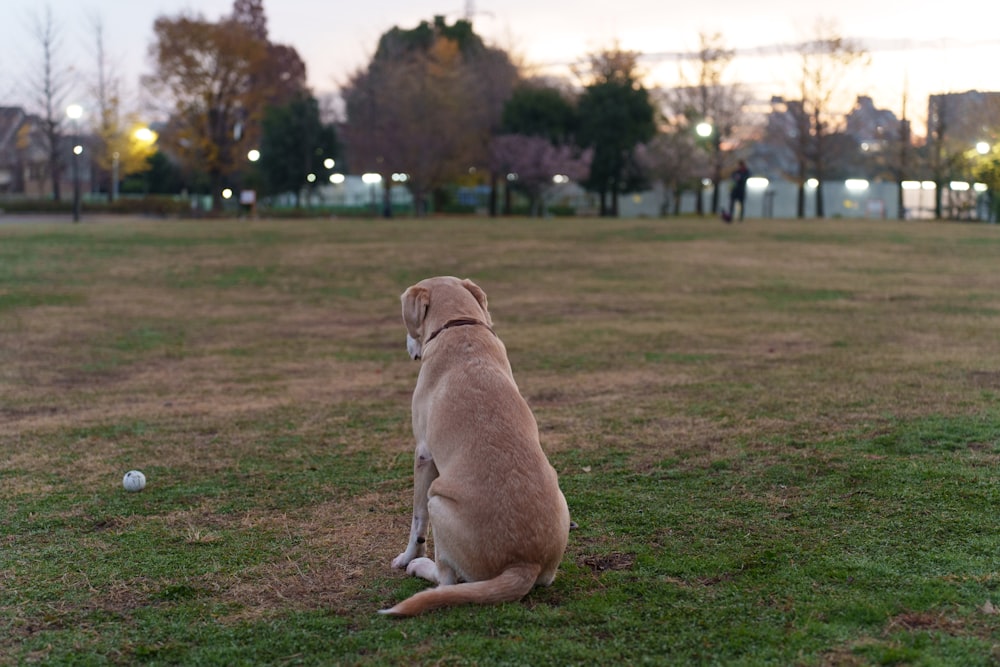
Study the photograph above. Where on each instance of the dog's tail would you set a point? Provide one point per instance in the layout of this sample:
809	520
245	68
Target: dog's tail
511	584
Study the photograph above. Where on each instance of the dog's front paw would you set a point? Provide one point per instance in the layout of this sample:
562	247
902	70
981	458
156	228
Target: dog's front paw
402	560
413	550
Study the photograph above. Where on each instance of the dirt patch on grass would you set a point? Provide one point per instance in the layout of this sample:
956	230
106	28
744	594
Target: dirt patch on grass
341	561
599	563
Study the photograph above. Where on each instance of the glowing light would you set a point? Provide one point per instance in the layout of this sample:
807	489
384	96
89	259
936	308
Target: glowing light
928	185
400	177
227	193
311	178
980	187
911	185
145	135
253	155
336	179
329	163
757	183
511	177
703	129
559	179
78	150
74	111
856	184
812	183
982	148
959	186
371	178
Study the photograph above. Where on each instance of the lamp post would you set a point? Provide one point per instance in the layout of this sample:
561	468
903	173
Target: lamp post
142	142
114	175
74	113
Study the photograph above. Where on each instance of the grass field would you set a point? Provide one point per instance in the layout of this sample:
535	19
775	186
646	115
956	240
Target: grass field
780	440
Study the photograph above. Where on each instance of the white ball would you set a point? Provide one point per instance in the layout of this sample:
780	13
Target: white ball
134	481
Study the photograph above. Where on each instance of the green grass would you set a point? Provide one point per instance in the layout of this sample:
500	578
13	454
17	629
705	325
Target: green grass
780	440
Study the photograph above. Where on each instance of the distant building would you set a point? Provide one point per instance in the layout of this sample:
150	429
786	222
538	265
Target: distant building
962	119
873	129
25	168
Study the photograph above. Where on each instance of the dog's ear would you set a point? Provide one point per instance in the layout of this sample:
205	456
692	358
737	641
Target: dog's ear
480	295
416	300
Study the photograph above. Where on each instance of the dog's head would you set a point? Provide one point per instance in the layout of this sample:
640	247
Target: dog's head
432	303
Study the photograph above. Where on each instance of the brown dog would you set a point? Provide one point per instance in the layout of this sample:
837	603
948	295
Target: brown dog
480	477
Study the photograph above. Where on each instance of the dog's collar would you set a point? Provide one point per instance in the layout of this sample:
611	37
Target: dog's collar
459	322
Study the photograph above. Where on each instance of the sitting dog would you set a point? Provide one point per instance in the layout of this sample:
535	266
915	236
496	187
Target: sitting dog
480	478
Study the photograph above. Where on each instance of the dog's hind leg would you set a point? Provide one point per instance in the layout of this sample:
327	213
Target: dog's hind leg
437	573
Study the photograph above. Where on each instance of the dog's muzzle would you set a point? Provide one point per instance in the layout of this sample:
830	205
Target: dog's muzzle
413	347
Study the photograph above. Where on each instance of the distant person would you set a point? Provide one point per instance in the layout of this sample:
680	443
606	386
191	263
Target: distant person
738	192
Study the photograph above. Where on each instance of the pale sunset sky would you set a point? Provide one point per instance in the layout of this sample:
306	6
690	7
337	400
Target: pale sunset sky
926	48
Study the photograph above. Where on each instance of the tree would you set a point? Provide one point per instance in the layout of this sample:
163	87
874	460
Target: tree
987	172
673	158
705	98
422	106
615	117
50	90
218	79
535	110
788	142
282	78
825	62
538	110
118	151
294	144
494	79
532	163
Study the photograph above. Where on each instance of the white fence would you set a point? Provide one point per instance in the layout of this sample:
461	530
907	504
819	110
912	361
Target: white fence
841	199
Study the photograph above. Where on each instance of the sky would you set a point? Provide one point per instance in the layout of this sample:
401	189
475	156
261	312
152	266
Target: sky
920	48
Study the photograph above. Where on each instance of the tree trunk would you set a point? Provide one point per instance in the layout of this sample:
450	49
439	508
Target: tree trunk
215	183
386	200
493	194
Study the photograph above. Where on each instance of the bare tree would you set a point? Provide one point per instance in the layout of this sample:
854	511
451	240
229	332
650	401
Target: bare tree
49	89
901	157
705	99
673	158
825	62
117	151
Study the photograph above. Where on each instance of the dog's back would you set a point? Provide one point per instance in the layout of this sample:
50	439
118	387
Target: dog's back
499	520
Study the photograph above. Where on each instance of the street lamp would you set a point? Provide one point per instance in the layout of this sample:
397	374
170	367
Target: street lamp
115	157
706	130
74	112
982	148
